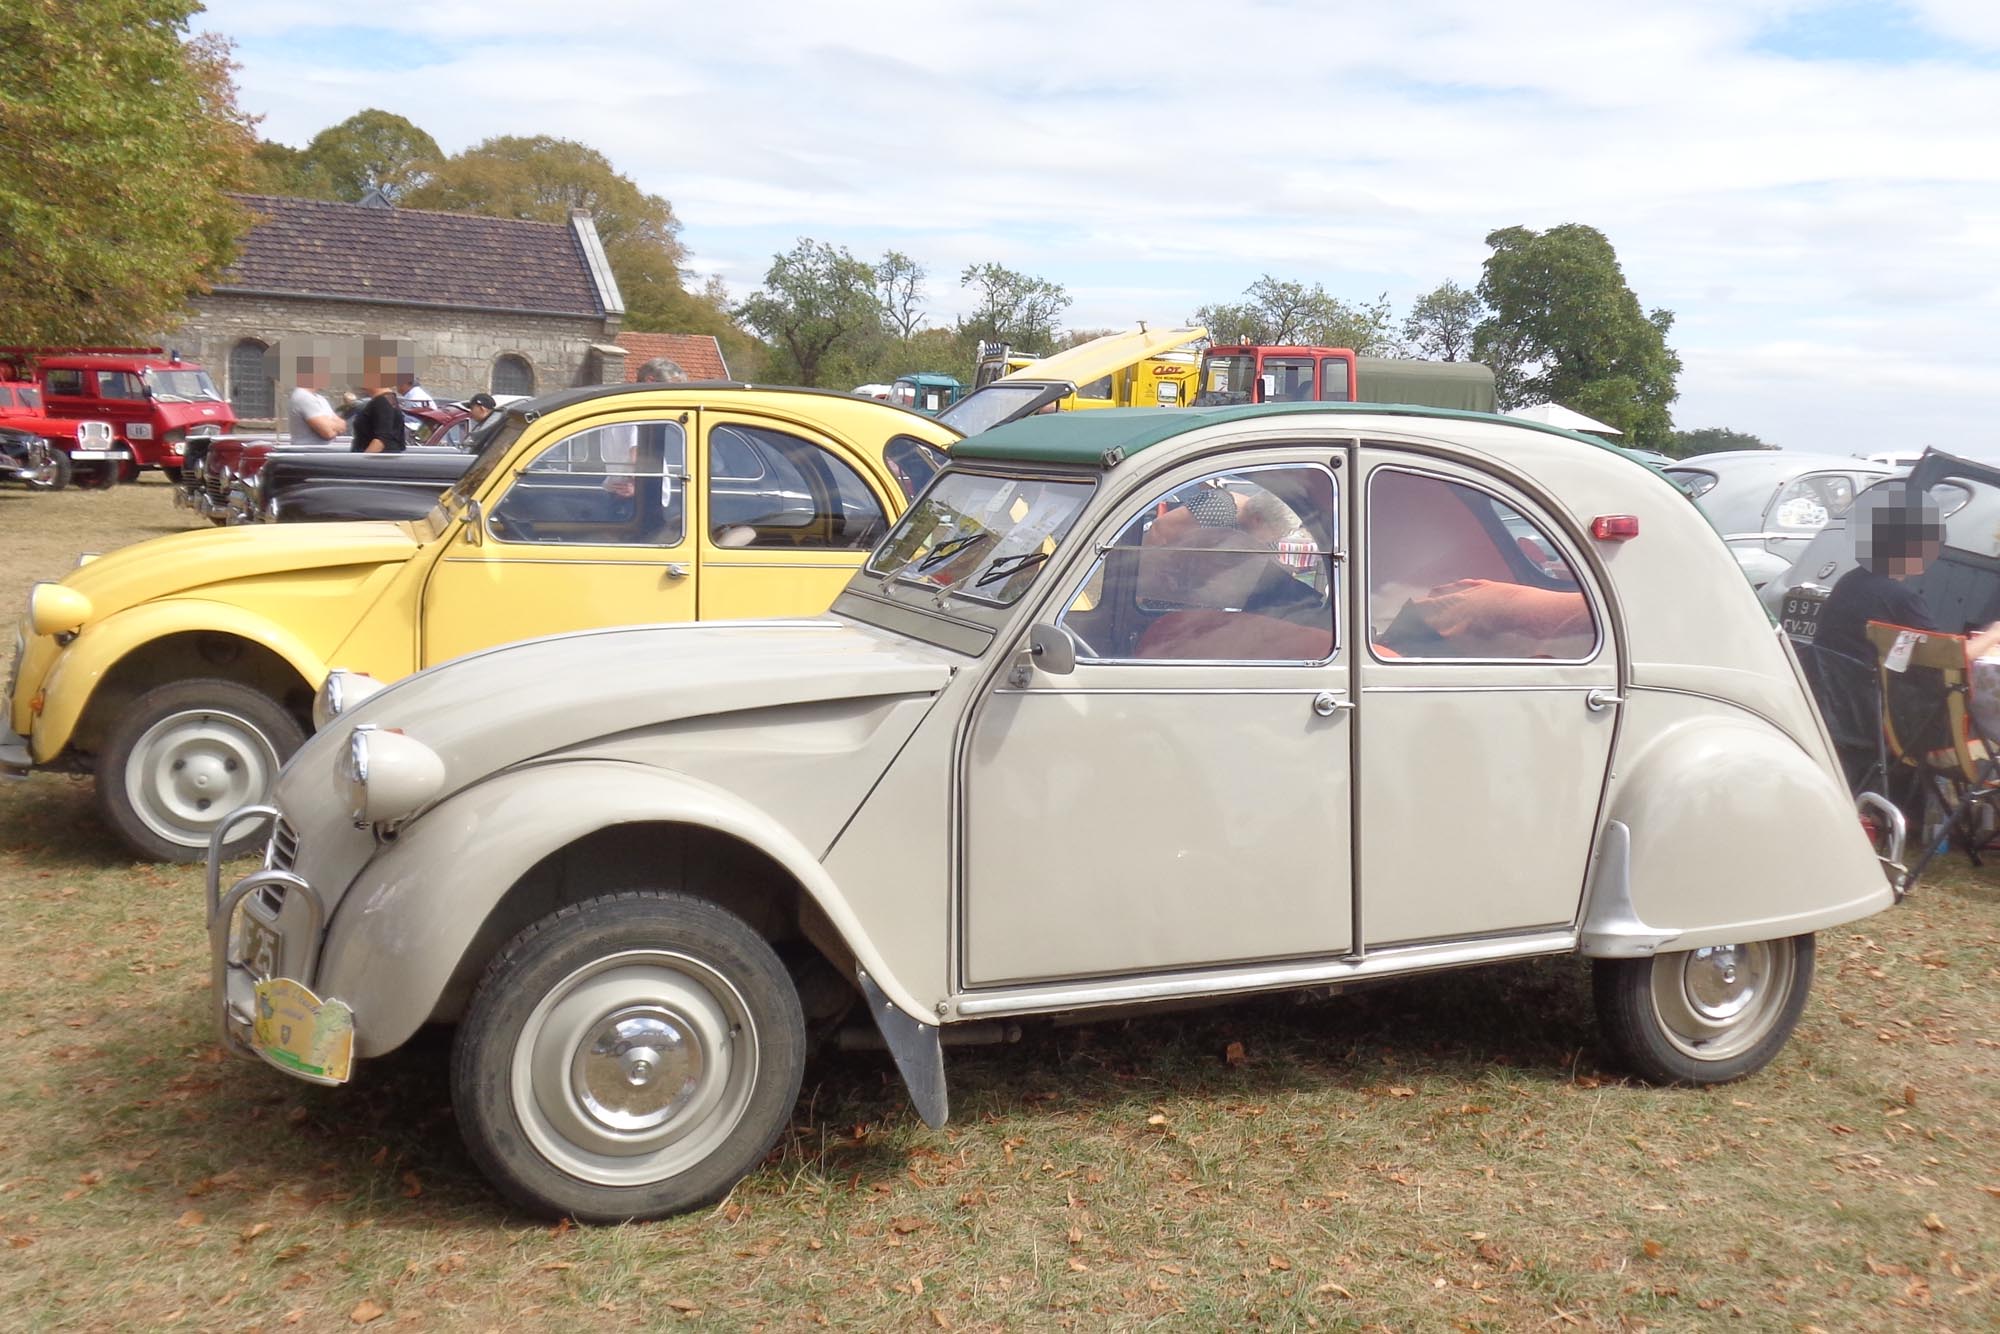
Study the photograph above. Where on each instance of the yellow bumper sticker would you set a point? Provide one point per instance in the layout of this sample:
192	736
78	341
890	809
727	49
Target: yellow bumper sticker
297	1031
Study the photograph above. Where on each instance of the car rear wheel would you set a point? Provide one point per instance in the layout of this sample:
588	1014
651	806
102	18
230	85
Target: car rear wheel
1704	1016
628	1057
183	756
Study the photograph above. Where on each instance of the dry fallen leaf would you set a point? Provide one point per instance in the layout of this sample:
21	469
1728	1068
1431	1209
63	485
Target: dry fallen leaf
1653	1249
1932	1223
1234	1054
1278	1262
411	1186
192	1218
1398	1091
1078	1266
367	1309
1156	1120
254	1231
292	1252
684	1306
939	1319
1334	1288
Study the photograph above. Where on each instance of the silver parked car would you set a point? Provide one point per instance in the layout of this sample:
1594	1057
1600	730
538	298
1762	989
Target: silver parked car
1768	503
1129	708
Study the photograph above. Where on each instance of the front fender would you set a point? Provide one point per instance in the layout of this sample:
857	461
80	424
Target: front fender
101	646
401	931
1723	830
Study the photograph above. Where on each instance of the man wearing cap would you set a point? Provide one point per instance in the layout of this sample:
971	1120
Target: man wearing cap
481	407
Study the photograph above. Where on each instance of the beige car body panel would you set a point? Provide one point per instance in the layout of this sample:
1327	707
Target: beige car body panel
875	809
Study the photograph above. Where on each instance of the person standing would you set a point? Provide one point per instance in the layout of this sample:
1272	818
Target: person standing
411	393
312	419
378	423
479	407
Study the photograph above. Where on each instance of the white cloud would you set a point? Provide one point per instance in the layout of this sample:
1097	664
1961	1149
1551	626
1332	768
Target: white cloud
1165	158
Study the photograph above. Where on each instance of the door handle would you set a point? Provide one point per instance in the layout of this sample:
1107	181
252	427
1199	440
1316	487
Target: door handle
1597	701
677	569
1326	704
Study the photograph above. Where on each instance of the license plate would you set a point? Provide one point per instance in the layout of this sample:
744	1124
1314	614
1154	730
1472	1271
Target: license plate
260	948
1800	617
302	1034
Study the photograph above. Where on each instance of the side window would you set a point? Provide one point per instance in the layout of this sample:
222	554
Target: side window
1333	380
1454	572
913	463
801	495
512	375
119	384
1234	567
63	383
251	392
621	485
1098	388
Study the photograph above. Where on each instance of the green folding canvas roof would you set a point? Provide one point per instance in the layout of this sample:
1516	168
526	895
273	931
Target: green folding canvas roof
1104	436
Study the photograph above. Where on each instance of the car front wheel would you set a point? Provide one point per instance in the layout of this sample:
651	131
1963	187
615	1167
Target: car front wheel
1704	1016
184	755
60	479
628	1057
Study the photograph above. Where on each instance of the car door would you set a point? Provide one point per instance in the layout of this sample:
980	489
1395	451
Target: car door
597	529
1182	797
790	515
1488	690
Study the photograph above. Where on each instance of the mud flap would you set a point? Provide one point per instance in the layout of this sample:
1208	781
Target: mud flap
918	1054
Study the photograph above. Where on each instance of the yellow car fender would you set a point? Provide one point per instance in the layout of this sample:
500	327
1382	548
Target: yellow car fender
69	687
400	934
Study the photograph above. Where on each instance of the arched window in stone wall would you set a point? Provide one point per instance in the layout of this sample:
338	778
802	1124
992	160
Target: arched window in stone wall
513	375
251	392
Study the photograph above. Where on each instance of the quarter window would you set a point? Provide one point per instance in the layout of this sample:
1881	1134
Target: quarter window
1456	572
1805	504
620	485
119	384
63	383
1233	567
771	489
913	463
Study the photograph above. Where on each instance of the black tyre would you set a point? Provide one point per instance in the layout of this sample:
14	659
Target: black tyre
65	469
1704	1016
185	755
172	474
630	1056
95	475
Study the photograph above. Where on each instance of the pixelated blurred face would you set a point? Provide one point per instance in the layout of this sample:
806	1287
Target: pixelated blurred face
314	372
1902	539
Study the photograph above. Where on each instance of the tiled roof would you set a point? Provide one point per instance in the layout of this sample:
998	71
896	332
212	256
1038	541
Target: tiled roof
316	247
697	354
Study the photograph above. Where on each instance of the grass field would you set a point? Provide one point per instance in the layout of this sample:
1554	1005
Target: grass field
1439	1154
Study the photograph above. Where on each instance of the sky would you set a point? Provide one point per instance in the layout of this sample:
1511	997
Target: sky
1811	186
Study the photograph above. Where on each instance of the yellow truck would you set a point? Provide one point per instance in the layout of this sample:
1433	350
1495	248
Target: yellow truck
1140	368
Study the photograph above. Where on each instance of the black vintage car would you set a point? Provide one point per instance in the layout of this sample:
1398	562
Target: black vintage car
29	459
326	484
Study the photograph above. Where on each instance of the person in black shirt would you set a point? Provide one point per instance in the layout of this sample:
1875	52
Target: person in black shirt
1899	541
378	423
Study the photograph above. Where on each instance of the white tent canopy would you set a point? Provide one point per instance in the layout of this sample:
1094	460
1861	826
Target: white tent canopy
1555	414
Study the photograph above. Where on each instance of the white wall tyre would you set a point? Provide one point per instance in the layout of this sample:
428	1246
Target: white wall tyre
1704	1016
184	755
628	1057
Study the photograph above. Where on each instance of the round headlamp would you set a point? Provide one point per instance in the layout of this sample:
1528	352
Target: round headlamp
57	610
384	776
341	691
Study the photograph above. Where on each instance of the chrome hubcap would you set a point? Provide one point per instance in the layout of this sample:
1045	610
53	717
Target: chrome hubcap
192	768
1717	1002
634	1068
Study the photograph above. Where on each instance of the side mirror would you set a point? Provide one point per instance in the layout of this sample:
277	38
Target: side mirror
475	523
1053	649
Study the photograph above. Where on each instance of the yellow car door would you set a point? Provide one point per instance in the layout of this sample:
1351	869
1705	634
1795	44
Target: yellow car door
597	529
788	515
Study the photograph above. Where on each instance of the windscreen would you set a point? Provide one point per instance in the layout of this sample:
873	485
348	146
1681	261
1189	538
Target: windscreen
183	386
979	535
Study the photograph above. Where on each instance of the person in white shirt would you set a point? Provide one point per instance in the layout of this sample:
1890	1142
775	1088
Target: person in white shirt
312	418
412	394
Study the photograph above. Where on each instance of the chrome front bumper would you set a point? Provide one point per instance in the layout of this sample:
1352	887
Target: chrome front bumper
231	982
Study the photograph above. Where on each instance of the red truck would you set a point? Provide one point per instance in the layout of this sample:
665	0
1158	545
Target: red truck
152	400
1251	373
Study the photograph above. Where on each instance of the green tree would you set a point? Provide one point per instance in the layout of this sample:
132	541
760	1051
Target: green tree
1563	327
119	139
900	283
1711	440
1441	321
1275	310
1013	308
816	301
371	150
541	178
279	169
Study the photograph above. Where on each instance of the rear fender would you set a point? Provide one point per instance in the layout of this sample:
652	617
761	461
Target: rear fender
101	646
1722	830
402	931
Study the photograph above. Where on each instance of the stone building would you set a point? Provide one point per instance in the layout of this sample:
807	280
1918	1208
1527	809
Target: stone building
469	303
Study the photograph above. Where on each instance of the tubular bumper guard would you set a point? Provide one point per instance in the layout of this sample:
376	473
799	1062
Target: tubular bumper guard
231	982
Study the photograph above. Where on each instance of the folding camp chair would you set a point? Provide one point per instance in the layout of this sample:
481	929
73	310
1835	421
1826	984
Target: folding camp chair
1932	743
